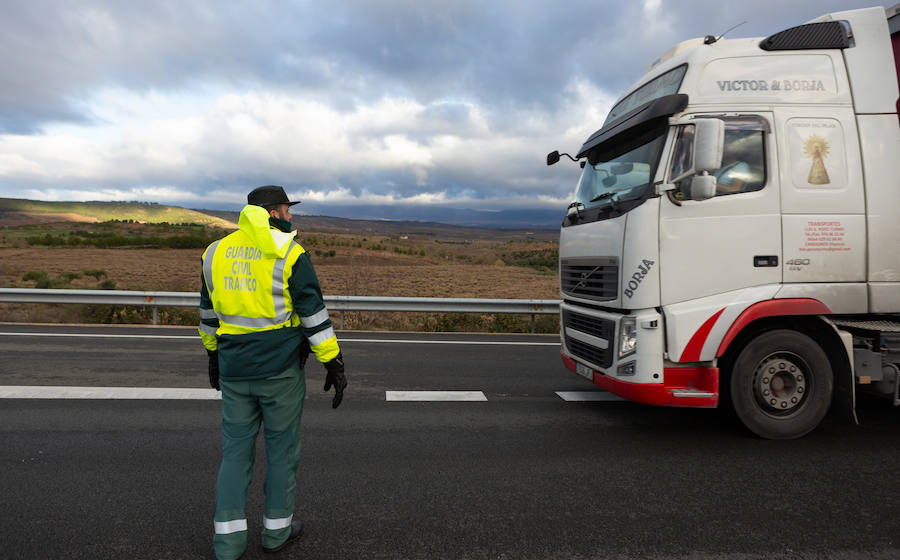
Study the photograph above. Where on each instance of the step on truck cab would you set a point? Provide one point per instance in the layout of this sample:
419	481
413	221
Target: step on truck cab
733	237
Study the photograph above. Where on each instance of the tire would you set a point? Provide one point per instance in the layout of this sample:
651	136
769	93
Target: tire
781	385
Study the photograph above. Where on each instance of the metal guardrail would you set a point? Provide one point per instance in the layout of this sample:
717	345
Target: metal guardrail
335	303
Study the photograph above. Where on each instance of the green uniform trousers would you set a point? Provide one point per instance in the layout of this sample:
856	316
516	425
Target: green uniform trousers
277	402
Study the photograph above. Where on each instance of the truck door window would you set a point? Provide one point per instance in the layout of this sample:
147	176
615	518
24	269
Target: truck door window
743	162
743	158
681	159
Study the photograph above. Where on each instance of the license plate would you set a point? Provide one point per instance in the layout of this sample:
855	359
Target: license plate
584	371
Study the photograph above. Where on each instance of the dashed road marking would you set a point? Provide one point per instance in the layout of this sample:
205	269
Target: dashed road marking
588	396
442	396
163	393
157	393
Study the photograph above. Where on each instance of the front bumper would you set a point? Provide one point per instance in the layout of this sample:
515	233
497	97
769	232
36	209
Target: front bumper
591	337
696	387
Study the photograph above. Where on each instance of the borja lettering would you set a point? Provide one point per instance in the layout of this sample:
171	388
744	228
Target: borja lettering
635	282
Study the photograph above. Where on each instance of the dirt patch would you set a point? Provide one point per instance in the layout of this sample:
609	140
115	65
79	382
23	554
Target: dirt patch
178	270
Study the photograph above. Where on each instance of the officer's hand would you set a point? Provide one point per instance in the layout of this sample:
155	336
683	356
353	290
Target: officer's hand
336	377
213	369
304	353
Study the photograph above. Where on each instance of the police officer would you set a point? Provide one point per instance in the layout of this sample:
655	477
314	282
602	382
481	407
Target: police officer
261	312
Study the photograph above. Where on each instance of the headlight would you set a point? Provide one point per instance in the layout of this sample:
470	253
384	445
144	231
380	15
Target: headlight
627	337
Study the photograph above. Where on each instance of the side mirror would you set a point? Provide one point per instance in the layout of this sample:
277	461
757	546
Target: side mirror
552	157
703	187
622	168
709	143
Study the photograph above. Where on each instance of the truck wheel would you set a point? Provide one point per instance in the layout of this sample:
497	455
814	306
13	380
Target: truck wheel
781	385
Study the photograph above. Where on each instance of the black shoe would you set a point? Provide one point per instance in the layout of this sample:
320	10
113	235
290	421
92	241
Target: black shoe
296	529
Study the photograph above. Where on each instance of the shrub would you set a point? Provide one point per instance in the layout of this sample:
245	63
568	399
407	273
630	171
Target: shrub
35	276
47	239
97	273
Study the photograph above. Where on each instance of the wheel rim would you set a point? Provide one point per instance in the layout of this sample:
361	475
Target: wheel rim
781	384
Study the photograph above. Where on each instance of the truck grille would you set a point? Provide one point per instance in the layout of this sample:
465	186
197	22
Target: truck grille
596	279
594	326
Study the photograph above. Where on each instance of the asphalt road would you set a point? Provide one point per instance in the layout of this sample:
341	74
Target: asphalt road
520	474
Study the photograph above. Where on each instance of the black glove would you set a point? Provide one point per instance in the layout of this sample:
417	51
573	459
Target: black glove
336	377
213	369
304	353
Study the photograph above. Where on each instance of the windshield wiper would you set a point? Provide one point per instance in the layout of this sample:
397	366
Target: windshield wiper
613	203
602	196
608	194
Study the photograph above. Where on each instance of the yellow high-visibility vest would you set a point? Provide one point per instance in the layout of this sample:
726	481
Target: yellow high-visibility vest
247	277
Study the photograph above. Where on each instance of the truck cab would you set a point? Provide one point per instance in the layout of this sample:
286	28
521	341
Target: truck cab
733	234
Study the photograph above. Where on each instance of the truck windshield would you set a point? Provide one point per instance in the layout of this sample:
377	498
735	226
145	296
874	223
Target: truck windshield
622	177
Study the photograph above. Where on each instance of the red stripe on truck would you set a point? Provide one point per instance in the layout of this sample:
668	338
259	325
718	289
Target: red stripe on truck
771	308
695	344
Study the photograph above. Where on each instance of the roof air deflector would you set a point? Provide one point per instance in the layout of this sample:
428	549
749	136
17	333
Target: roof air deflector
821	35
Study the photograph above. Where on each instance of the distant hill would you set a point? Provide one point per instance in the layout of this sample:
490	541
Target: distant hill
15	211
397	228
527	218
374	219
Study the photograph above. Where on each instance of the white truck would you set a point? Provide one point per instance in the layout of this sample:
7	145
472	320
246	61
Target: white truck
734	237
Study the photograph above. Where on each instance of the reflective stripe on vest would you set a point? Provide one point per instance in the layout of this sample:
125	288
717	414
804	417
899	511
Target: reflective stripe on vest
321	336
315	319
207	265
281	314
207	313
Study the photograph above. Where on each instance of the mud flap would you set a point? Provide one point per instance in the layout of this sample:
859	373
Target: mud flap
843	405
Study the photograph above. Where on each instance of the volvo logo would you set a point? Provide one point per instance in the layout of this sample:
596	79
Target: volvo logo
585	276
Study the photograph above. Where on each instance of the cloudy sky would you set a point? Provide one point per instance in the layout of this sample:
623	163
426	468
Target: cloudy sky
451	103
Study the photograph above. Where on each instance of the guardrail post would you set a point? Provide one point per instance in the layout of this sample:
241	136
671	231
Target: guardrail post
155	316
342	320
532	323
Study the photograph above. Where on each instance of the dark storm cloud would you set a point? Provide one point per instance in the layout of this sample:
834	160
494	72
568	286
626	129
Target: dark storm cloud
500	54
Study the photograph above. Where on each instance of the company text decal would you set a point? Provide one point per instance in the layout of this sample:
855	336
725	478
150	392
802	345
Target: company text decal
774	85
638	277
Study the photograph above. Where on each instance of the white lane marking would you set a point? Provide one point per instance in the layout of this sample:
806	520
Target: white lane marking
587	396
89	335
474	342
443	396
340	340
158	393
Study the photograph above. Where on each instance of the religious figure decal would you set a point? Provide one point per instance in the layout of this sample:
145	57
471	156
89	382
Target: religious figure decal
817	149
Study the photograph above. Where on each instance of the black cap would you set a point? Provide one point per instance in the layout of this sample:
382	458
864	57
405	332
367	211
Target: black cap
269	195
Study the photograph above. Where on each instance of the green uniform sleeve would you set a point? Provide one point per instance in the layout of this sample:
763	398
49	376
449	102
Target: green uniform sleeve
306	296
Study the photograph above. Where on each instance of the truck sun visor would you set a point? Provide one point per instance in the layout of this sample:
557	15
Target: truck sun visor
647	115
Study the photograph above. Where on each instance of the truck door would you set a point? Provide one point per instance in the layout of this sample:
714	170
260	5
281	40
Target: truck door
823	204
733	240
